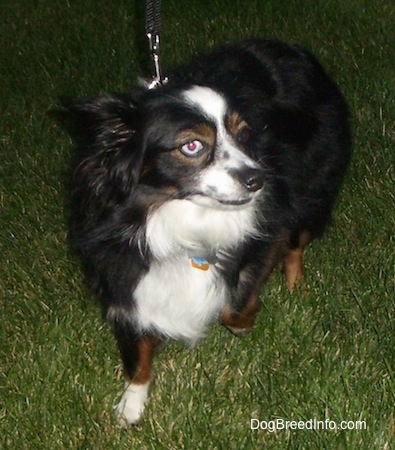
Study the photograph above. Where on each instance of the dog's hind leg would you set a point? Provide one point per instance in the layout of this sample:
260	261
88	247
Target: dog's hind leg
137	354
293	261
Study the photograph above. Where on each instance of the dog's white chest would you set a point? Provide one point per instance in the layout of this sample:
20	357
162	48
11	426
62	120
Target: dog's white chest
179	300
174	297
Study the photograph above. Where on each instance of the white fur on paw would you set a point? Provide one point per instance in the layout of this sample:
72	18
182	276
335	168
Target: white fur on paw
131	406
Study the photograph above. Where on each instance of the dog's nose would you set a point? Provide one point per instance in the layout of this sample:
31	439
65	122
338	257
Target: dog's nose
251	179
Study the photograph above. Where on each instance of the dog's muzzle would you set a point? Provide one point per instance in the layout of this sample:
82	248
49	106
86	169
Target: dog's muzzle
250	178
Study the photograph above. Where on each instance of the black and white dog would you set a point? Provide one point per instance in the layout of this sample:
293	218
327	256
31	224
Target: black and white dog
187	196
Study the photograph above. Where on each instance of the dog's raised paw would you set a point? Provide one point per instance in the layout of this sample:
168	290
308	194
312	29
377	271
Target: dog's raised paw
239	332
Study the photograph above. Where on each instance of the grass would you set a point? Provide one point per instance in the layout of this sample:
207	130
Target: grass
328	355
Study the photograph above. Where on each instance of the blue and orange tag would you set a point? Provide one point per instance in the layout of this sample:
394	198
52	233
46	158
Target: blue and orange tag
200	263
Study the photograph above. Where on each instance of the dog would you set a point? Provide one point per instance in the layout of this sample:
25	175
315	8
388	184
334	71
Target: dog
187	196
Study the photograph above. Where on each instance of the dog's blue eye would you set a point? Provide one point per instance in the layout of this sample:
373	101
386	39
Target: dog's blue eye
192	148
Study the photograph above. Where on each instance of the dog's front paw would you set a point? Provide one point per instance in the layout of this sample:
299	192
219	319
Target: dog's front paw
131	406
239	332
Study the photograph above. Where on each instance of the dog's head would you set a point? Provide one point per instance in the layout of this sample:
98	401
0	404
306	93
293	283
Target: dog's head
184	143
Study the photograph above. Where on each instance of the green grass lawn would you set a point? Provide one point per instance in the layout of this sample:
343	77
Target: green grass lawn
327	355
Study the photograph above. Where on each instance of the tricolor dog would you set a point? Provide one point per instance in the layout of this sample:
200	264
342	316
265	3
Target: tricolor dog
187	196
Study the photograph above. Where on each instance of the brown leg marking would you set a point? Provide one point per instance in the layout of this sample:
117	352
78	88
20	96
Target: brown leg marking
240	323
146	349
293	262
137	354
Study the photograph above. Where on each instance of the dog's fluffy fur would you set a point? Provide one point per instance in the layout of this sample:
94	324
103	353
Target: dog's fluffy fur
188	195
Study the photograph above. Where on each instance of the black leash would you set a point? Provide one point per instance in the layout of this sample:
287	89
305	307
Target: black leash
152	30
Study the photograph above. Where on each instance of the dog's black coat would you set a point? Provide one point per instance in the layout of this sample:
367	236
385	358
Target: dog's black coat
298	132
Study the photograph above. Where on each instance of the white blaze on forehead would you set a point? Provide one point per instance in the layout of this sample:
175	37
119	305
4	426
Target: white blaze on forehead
218	180
214	106
210	102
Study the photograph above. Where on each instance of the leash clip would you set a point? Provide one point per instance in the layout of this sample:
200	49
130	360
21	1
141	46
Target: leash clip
152	30
154	42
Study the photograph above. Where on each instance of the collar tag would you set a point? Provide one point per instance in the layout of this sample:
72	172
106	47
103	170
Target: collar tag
200	263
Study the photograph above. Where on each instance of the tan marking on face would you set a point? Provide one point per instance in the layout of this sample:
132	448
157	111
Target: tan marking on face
236	123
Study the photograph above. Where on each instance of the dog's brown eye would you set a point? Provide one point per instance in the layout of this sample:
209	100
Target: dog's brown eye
243	135
192	148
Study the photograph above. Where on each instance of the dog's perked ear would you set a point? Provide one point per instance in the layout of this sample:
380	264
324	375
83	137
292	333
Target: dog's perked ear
109	151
